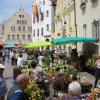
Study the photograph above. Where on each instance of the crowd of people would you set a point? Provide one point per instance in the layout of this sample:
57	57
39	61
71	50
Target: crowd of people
62	87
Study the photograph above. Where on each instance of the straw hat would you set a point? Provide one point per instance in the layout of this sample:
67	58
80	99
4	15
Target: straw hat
2	66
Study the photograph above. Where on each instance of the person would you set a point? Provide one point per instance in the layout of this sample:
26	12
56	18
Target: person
97	71
16	71
16	57
52	55
17	91
24	57
40	58
74	90
12	57
20	61
3	86
36	69
75	59
61	83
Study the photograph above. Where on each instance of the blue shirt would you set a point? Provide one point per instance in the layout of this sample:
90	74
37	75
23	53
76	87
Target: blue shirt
3	86
16	93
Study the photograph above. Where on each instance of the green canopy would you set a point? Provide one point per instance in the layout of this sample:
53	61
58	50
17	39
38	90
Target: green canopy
64	40
38	44
9	45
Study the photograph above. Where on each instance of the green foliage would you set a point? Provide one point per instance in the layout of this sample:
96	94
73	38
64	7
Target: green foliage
91	62
32	90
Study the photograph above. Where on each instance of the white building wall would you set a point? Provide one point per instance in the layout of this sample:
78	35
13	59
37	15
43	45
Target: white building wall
43	23
86	16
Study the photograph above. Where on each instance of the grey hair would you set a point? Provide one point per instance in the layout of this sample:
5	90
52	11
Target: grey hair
74	88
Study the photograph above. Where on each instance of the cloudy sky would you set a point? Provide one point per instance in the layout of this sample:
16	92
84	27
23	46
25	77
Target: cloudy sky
10	7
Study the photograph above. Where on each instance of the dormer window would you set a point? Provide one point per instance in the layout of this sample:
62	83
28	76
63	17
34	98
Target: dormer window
20	16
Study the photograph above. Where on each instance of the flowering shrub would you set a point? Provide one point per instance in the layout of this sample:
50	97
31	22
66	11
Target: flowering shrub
91	62
32	90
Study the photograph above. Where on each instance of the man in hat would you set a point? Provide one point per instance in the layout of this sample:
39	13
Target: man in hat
3	86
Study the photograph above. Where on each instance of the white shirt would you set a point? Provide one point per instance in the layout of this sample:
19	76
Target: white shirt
19	62
11	54
40	58
25	56
36	71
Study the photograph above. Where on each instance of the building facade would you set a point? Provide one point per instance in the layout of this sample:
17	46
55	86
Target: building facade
18	28
43	20
88	18
2	25
65	20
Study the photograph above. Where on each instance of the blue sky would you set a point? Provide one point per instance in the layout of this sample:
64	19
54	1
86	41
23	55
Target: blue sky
10	7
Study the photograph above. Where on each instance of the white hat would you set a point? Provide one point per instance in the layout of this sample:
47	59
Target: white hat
2	66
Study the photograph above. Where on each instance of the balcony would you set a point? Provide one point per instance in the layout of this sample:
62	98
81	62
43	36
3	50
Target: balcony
83	5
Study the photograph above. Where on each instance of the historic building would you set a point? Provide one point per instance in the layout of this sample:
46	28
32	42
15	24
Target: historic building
18	28
88	19
65	20
2	32
43	20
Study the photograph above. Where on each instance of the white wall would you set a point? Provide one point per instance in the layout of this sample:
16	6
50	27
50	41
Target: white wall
43	23
87	16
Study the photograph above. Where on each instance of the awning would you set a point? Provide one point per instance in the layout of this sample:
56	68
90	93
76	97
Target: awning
10	45
65	40
38	44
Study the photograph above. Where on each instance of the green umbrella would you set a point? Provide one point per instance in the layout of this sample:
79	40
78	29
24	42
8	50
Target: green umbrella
65	40
38	44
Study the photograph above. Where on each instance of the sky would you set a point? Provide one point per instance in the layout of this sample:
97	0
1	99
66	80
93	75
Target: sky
9	7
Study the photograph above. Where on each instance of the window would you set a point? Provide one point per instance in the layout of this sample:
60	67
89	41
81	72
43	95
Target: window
47	13
19	28
23	28
96	29
29	37
17	21
42	16
47	27
43	2
12	28
13	37
34	20
37	19
42	31
23	37
18	38
8	37
34	33
84	30
30	29
25	22
37	32
22	21
20	16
